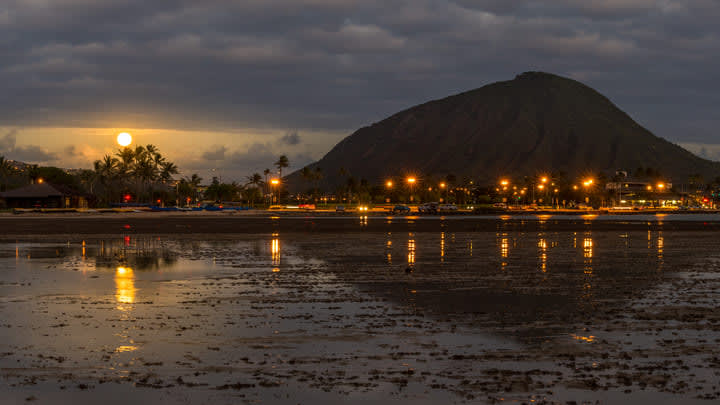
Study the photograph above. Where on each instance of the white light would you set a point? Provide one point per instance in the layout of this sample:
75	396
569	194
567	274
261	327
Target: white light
124	139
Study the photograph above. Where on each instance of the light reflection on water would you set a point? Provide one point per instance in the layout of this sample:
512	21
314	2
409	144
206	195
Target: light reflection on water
125	287
275	252
411	250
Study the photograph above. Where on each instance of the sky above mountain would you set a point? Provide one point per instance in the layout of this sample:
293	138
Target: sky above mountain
223	87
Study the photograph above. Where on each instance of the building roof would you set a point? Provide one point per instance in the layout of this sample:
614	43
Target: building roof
42	190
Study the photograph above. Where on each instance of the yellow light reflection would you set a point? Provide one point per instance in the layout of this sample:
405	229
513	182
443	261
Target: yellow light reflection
588	248
588	254
504	248
411	251
124	287
586	339
442	246
275	251
660	246
542	245
124	349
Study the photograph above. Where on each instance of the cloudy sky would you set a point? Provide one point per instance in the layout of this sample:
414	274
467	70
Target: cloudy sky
225	86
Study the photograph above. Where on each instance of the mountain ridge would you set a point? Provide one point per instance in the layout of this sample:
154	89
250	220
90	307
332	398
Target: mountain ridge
536	122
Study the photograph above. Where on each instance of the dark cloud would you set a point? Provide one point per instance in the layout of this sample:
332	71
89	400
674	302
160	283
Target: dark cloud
218	153
32	154
25	153
7	142
292	138
242	161
340	64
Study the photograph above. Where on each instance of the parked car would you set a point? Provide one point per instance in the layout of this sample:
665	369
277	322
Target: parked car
401	209
428	208
447	207
340	208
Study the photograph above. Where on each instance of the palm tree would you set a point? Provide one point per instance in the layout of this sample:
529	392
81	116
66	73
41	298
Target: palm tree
188	186
317	176
167	169
88	178
6	169
282	163
256	180
33	173
107	171
307	174
266	172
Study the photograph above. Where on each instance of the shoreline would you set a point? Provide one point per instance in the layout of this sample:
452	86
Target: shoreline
251	223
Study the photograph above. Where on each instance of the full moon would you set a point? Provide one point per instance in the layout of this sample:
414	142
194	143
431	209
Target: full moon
124	139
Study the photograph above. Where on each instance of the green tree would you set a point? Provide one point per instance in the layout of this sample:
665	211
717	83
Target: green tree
6	170
145	169
251	193
187	188
282	163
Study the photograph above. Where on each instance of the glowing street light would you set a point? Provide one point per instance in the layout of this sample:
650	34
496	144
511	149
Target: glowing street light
442	185
389	184
544	179
274	183
411	182
661	186
541	186
504	182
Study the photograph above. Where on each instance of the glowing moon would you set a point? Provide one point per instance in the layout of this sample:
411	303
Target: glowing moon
124	139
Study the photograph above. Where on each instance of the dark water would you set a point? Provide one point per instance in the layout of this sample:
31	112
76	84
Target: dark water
510	315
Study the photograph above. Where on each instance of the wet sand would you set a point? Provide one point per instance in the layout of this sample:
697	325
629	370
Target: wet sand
291	310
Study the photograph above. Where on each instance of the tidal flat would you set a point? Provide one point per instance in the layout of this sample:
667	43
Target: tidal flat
389	310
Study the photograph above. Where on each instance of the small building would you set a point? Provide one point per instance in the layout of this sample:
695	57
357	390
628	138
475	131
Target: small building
44	195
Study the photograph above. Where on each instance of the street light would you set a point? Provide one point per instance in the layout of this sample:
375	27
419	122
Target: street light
411	182
587	184
443	186
389	184
274	183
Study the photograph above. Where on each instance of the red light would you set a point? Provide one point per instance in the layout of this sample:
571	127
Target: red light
158	201
127	197
705	199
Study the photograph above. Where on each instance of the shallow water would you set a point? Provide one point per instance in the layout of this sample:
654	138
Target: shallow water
505	316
